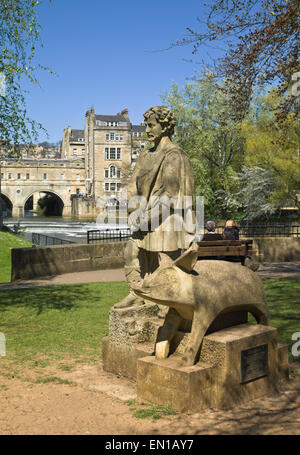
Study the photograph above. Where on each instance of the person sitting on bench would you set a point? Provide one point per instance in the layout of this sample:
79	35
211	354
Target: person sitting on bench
211	235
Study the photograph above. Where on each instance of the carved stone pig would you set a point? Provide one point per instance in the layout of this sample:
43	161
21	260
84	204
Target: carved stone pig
201	291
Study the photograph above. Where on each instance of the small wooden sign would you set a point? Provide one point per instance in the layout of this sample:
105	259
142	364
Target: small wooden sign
254	363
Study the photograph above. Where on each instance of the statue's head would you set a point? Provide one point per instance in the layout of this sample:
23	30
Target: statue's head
162	115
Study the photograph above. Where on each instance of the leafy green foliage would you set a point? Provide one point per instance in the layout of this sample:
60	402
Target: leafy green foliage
256	186
208	134
246	170
274	146
19	39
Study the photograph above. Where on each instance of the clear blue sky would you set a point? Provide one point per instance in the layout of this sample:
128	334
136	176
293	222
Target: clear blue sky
102	54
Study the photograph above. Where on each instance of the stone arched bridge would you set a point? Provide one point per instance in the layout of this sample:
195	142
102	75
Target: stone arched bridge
35	177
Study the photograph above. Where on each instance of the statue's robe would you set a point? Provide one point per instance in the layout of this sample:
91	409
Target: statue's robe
158	177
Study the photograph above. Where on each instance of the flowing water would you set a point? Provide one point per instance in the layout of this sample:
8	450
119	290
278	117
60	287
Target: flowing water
70	229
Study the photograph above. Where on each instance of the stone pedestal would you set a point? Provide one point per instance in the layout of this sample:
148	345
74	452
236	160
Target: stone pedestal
236	364
132	335
238	361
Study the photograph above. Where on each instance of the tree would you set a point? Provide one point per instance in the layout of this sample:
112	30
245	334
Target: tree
19	38
261	47
208	134
248	169
253	198
274	145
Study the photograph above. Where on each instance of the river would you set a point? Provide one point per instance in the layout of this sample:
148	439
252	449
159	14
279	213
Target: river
64	228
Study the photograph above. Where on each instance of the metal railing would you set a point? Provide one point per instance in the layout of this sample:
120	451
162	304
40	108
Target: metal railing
108	235
271	231
268	230
45	240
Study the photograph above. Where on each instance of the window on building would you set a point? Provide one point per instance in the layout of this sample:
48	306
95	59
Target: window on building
83	152
112	154
117	138
9	176
18	176
62	176
27	176
2	176
75	152
118	174
77	176
106	186
112	187
106	173
118	186
118	153
121	137
45	176
112	171
107	137
106	153
112	136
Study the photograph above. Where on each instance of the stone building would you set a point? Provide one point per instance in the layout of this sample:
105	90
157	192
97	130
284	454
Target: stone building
92	163
138	140
108	152
73	144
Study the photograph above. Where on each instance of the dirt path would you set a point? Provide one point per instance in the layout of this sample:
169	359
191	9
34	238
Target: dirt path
96	404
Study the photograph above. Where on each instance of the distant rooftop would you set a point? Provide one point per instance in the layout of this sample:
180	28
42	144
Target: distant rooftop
138	128
111	118
76	134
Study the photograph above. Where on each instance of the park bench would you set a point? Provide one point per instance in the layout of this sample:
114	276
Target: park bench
228	250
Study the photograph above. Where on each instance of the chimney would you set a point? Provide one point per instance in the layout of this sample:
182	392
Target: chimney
125	114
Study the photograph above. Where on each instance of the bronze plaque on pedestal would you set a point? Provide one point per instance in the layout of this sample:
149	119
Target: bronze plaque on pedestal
254	363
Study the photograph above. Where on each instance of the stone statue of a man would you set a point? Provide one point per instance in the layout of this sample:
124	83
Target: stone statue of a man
163	181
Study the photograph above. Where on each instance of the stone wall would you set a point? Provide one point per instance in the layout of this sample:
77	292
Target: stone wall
36	262
276	249
30	263
84	208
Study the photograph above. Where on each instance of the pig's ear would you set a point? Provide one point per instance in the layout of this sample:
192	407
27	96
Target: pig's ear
188	259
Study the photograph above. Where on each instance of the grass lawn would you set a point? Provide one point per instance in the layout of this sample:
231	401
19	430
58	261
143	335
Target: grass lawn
7	242
283	298
65	324
47	324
